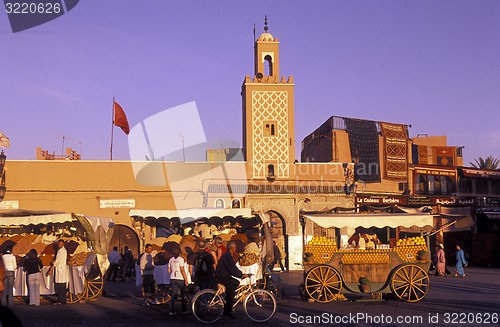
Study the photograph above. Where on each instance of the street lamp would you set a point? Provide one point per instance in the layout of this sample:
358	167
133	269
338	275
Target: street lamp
3	189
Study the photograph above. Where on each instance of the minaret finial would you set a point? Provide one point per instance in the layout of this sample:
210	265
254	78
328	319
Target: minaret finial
265	24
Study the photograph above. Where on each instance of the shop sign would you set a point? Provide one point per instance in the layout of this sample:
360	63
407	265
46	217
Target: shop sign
9	205
423	200
116	204
379	200
454	201
480	173
435	172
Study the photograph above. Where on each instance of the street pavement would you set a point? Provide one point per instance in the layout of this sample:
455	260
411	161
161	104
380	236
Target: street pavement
471	300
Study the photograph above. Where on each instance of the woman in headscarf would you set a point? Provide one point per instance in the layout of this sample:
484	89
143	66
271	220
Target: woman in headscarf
440	260
461	262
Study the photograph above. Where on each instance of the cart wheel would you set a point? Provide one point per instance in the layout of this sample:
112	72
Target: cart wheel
94	282
74	298
410	283
163	293
323	283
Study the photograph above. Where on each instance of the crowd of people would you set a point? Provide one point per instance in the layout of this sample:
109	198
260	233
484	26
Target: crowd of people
204	268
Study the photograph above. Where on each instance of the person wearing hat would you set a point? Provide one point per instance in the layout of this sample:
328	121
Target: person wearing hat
440	260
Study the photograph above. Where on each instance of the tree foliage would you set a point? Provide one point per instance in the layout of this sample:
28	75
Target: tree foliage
488	163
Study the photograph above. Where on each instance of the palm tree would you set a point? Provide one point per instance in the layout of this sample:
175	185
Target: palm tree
488	163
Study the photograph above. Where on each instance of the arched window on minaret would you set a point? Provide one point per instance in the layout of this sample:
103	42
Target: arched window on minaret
272	130
270	170
267	131
268	66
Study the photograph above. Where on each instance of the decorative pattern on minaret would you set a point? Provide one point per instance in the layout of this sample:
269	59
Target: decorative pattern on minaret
270	105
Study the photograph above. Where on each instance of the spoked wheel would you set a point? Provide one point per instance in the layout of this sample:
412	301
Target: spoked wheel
74	298
261	283
163	293
260	305
207	306
323	283
94	282
410	283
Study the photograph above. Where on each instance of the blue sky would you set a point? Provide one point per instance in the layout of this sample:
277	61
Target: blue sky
432	64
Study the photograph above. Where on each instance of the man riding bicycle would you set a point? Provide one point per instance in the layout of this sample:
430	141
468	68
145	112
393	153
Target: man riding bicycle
224	272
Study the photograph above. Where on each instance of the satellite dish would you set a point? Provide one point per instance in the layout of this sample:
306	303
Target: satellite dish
259	75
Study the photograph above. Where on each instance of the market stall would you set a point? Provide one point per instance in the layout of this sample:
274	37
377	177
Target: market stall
367	266
86	243
185	226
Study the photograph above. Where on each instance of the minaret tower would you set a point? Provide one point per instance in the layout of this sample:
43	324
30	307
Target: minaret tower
268	115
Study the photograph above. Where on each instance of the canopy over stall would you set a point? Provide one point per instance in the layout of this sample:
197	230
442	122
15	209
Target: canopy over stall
191	215
393	220
31	217
97	231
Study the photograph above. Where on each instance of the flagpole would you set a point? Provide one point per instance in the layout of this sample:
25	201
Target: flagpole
112	123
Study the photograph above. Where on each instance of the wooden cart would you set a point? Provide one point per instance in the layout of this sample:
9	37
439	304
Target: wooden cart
401	270
86	279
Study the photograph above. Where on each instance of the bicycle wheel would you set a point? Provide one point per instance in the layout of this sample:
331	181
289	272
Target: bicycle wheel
260	305
207	306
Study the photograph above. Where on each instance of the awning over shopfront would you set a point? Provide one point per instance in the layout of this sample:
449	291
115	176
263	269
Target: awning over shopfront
456	223
481	173
31	217
456	218
493	215
192	214
370	220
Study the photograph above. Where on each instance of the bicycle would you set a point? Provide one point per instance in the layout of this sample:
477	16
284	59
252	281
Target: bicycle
268	283
259	304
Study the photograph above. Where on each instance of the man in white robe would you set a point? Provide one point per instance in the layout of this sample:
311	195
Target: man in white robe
61	270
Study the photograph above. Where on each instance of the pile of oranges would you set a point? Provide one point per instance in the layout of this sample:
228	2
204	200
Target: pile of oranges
417	240
322	248
366	257
407	248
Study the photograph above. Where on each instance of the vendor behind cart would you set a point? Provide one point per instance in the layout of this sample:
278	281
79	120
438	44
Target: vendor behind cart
61	269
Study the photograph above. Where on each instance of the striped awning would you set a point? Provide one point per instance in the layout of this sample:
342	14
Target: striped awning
370	220
32	217
192	214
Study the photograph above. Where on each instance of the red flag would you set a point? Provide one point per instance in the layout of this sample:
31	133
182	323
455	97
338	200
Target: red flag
120	119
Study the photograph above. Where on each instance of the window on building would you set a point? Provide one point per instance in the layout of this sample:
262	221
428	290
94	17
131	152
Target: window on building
268	65
451	186
465	185
270	128
421	185
236	204
432	184
481	186
219	203
270	170
495	187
